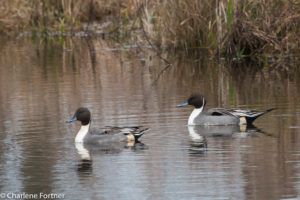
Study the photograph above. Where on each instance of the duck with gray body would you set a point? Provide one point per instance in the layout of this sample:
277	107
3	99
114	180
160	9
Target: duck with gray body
218	116
107	134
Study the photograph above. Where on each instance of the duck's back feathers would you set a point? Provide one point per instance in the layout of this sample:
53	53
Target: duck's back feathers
136	131
249	115
219	112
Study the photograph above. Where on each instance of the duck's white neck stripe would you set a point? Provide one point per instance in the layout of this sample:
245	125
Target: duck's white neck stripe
82	133
194	114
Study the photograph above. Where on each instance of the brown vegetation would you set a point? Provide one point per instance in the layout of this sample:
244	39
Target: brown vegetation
222	27
272	27
52	15
238	28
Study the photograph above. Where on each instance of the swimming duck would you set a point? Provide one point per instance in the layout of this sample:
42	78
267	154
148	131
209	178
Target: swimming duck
89	135
219	116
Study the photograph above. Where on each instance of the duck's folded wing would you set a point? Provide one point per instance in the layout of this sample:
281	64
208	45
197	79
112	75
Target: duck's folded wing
250	115
111	130
104	131
244	113
238	112
219	112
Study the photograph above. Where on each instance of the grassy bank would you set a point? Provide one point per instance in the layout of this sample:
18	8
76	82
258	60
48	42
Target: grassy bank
59	15
236	28
246	28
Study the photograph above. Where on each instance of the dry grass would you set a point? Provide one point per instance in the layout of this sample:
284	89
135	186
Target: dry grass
189	25
272	27
178	23
236	28
16	15
220	27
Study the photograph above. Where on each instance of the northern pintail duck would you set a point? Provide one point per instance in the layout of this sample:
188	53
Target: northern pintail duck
219	116
89	135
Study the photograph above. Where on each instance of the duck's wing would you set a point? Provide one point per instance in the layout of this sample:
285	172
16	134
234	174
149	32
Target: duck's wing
237	112
137	131
101	131
220	112
248	113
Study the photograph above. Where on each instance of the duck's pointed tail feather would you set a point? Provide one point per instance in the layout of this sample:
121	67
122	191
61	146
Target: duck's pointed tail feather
266	111
251	119
140	132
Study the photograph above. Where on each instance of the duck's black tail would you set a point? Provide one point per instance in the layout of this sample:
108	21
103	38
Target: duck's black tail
250	119
139	132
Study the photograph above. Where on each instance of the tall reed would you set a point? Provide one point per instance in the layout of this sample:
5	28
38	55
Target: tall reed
266	27
188	24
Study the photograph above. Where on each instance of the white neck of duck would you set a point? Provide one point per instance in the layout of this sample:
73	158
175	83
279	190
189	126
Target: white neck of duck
83	131
194	114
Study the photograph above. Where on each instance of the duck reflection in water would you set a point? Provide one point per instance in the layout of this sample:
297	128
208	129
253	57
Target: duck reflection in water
87	151
218	121
199	134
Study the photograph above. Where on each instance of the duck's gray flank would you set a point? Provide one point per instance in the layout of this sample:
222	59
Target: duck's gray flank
86	134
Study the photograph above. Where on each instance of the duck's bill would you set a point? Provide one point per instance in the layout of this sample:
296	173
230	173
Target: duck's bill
72	120
182	105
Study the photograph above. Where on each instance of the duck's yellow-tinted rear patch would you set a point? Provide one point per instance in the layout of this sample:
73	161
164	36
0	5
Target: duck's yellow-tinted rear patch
130	143
243	120
130	137
243	127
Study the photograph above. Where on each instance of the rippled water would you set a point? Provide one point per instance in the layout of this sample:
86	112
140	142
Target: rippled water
42	84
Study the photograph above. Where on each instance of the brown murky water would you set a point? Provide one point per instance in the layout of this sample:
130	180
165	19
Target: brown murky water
41	85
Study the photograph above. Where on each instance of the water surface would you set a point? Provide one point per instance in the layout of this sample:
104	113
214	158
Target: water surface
42	84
